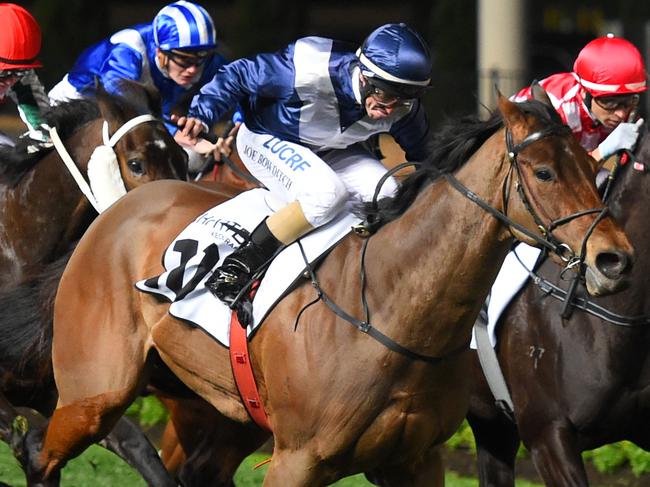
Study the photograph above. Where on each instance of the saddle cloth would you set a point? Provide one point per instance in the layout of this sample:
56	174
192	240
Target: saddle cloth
511	278
192	257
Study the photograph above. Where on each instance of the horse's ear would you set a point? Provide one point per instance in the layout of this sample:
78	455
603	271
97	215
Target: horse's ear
540	94
513	117
154	100
107	106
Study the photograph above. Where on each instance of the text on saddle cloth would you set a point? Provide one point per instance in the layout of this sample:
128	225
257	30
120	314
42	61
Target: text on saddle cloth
192	257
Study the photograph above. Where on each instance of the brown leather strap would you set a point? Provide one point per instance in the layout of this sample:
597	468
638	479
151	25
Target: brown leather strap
243	372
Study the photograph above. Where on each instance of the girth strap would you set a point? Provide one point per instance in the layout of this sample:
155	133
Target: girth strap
490	365
243	373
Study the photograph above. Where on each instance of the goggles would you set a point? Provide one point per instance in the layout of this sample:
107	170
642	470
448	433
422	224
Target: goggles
387	100
12	73
187	61
613	103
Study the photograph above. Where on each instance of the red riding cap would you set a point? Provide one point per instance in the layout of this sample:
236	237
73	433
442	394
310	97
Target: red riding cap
610	66
20	38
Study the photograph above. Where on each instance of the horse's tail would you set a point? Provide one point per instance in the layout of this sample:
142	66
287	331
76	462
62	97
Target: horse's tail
26	318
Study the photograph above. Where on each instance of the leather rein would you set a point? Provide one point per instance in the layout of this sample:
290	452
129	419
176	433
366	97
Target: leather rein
583	303
546	239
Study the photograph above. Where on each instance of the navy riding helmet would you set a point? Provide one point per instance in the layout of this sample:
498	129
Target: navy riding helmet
396	59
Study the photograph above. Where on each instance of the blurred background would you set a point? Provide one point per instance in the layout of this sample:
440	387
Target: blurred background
476	43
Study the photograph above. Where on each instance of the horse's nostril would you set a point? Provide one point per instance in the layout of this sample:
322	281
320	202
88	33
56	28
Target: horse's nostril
612	264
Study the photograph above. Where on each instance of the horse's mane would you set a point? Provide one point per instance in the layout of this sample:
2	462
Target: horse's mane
68	117
451	148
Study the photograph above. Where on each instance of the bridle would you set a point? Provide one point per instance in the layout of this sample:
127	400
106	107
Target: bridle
108	141
547	240
571	301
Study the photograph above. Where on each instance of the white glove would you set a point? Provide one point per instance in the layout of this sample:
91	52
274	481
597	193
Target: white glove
623	137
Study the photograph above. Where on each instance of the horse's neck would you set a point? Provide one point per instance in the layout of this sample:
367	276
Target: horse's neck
51	190
439	259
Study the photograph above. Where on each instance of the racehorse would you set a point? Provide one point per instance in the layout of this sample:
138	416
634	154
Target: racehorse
576	383
43	212
42	209
338	401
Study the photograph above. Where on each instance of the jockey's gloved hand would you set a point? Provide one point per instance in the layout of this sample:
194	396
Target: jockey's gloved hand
623	137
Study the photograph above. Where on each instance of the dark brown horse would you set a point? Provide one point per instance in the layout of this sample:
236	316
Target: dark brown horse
42	212
339	402
42	209
576	383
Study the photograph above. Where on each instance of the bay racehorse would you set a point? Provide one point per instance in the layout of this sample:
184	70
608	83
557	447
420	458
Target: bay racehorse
43	211
578	382
338	401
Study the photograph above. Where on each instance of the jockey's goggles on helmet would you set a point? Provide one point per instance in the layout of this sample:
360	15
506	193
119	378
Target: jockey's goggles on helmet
387	92
12	73
383	99
616	102
187	60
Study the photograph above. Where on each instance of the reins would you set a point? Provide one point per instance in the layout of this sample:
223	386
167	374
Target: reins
547	240
571	301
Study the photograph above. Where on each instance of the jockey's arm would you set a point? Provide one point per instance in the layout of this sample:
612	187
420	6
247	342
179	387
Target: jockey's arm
413	134
32	101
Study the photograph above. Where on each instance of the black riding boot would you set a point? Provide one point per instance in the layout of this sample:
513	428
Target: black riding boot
238	268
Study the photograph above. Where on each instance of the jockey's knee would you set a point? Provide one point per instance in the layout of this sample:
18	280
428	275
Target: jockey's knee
388	189
366	192
322	206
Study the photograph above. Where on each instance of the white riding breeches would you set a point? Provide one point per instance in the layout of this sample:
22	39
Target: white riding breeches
322	185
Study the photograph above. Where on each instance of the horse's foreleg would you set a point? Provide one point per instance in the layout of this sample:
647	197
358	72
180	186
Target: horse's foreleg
129	442
213	446
497	442
557	458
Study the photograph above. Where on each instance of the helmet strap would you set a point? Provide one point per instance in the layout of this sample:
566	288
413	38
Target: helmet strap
589	99
162	62
365	88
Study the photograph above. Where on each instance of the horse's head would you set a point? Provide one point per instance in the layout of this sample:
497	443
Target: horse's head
552	191
146	151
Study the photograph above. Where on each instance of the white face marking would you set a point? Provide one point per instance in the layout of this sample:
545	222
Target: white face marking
160	144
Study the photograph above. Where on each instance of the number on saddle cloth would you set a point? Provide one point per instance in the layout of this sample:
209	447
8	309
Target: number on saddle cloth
202	246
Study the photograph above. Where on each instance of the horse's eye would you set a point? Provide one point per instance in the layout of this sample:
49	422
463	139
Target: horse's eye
135	166
544	174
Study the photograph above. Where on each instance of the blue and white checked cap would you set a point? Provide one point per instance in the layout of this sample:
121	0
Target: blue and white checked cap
184	25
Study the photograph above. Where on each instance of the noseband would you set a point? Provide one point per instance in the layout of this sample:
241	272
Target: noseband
109	142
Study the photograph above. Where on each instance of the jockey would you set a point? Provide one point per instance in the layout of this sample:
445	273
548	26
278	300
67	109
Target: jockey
306	110
20	43
598	101
173	54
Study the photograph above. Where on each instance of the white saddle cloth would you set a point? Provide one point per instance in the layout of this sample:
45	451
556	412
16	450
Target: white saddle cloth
201	247
511	278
